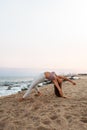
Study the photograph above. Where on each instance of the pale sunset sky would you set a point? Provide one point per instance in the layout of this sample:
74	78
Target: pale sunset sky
43	34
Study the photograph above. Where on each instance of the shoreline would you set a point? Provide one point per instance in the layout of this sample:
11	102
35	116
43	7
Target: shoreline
46	112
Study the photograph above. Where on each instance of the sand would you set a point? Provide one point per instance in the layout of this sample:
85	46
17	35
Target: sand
46	112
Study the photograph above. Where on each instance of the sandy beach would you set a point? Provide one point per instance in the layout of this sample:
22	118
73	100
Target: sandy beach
47	112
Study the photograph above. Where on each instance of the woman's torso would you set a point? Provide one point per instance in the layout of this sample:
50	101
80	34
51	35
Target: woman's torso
50	75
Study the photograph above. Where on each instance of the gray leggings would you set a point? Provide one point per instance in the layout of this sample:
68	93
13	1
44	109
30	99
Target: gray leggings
38	80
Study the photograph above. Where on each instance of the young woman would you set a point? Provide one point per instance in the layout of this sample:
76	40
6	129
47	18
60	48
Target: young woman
46	75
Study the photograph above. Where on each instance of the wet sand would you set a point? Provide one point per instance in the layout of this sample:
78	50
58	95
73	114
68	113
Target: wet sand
47	112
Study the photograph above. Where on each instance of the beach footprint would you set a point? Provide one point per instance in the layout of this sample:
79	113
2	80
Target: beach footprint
54	117
84	120
42	128
46	122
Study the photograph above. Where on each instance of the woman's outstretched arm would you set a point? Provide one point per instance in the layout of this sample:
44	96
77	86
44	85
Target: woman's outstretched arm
67	79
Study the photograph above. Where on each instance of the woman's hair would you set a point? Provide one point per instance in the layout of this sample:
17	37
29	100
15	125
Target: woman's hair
56	91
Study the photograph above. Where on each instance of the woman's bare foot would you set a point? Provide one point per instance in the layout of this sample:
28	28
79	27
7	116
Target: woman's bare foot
21	99
38	94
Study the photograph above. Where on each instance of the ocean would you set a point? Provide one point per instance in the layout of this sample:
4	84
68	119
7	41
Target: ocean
14	80
12	85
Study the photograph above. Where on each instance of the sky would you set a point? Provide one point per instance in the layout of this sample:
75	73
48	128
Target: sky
43	34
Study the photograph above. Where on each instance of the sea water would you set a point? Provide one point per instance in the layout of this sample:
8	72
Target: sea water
12	85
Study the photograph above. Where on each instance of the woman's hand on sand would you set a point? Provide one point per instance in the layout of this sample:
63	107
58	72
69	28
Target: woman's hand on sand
64	97
68	97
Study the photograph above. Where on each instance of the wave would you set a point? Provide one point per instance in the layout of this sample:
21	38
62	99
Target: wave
11	85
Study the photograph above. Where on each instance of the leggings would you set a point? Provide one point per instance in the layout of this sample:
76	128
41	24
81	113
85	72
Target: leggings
38	80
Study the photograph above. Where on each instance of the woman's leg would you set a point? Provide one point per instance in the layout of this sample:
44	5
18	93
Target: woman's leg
38	80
